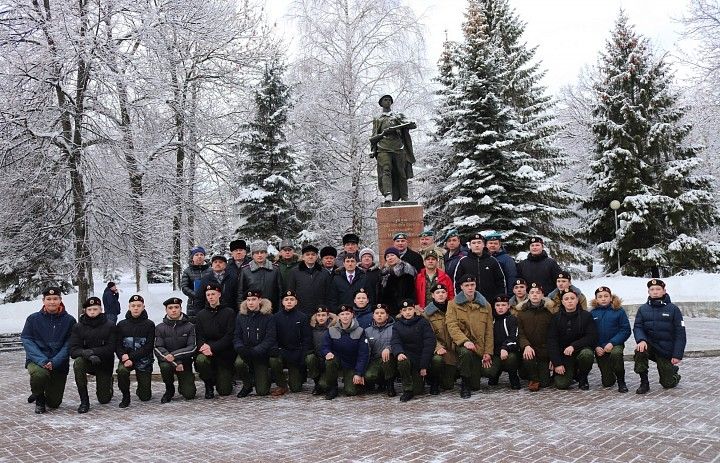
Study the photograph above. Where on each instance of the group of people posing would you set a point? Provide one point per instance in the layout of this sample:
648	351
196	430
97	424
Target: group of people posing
327	315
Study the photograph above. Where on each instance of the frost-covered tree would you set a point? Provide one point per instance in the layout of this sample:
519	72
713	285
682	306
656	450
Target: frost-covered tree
270	189
643	161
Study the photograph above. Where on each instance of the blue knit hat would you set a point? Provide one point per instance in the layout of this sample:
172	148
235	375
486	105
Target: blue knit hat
197	249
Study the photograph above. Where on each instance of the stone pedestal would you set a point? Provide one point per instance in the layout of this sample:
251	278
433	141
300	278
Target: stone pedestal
397	217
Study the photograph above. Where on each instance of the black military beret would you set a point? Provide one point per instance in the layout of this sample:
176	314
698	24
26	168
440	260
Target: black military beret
382	306
289	293
437	286
345	308
136	298
477	236
520	281
350	238
309	248
218	257
328	251
360	291
213	287
400	236
502	298
467	278
563	275
603	289
656	282
535	285
238	244
91	301
407	303
172	300
52	291
253	293
536	239
322	308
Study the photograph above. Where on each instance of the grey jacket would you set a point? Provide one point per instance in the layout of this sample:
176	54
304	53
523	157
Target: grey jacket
379	337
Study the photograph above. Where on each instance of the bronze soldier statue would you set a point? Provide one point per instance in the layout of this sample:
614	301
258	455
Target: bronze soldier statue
391	144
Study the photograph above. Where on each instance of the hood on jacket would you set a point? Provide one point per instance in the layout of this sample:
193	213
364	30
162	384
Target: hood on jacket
615	303
332	320
549	305
143	315
353	330
265	307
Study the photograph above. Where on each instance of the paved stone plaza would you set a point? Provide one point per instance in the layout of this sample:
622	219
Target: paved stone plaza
679	425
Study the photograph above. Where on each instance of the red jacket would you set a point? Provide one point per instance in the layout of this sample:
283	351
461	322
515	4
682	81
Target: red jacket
420	283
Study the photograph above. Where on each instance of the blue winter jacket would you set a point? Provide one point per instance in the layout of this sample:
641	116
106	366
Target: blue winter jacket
349	346
612	323
364	316
509	268
46	338
660	323
111	302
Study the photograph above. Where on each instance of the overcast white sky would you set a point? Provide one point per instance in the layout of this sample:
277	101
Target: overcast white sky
569	33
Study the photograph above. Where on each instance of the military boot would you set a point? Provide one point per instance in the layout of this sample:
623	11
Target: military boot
125	402
84	400
644	384
583	384
31	398
209	390
465	391
514	379
169	393
495	379
622	387
434	386
40	404
317	389
407	395
332	391
390	387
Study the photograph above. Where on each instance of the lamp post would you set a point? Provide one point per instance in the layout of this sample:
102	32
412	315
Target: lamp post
615	205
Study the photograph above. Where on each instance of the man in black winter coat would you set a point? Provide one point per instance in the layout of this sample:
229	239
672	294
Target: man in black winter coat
505	332
92	345
485	268
261	274
294	341
254	342
174	348
226	280
135	343
309	281
400	242
538	267
191	279
111	302
215	326
239	257
345	284
413	343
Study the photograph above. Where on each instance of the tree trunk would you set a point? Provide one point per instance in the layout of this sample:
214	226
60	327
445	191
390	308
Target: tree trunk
179	181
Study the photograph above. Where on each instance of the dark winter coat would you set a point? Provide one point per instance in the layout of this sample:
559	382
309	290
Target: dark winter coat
234	268
487	270
452	261
342	292
509	268
505	332
285	267
190	284
372	281
294	337
539	269
265	278
396	283
566	329
215	327
311	286
363	316
229	293
379	338
413	258
255	332
94	336
46	338
660	323
111	302
349	346
421	288
414	338
611	322
136	338
319	331
176	337
533	323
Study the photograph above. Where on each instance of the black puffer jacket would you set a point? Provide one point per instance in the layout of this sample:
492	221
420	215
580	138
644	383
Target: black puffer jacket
176	337
215	327
255	332
575	329
294	336
539	269
505	332
136	338
416	339
94	336
487	270
311	285
190	282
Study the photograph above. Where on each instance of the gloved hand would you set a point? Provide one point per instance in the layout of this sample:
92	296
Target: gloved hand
95	360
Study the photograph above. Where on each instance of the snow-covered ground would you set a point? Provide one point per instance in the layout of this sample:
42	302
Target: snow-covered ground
695	287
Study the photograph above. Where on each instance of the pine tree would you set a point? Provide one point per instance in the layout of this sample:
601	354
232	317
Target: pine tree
270	191
643	161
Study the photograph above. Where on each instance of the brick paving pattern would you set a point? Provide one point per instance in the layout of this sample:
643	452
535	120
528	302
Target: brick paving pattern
496	424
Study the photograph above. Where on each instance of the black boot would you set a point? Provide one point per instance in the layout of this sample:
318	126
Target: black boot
169	393
390	387
31	398
125	402
434	386
494	380
317	390
407	395
332	392
514	380
583	384
40	404
84	400
209	393
465	391
622	387
644	384
245	391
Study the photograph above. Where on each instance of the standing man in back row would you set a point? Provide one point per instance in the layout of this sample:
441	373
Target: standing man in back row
486	270
538	267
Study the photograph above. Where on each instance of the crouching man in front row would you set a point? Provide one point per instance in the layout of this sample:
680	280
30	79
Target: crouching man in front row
135	344
174	348
255	341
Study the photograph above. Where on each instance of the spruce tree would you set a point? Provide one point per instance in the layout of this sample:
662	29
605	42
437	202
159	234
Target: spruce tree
643	161
270	192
